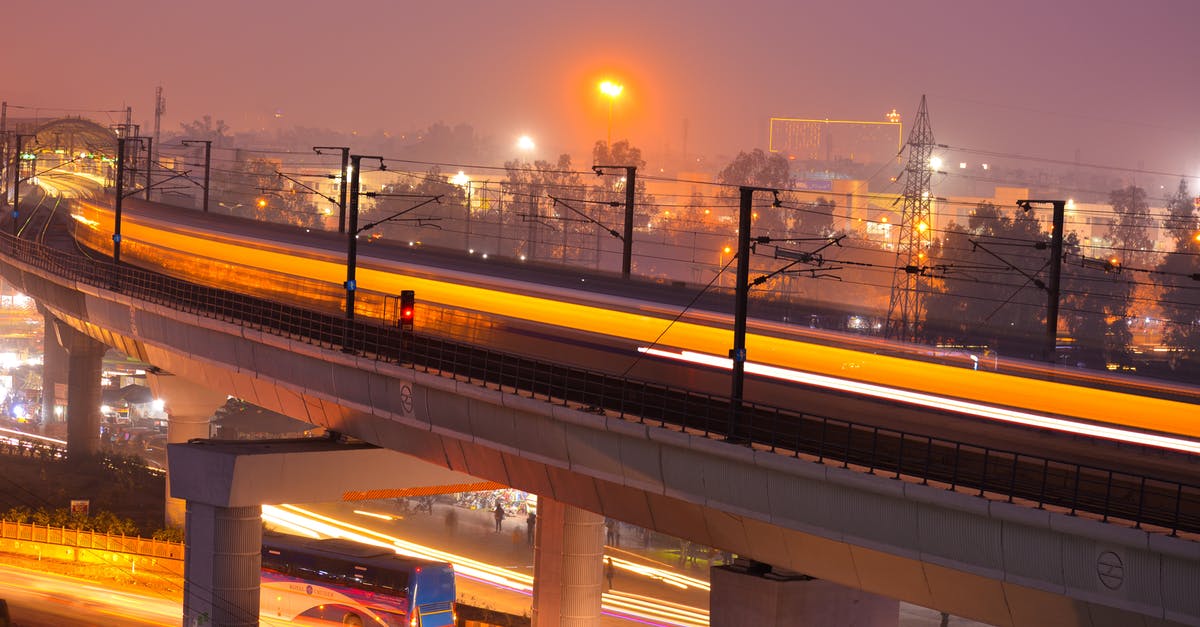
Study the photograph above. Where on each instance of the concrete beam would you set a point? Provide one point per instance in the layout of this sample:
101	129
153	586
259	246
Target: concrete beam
251	473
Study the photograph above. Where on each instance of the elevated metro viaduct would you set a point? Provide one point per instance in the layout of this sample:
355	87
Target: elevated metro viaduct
867	538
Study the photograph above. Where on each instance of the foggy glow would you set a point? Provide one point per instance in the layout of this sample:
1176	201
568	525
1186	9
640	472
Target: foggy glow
611	89
525	143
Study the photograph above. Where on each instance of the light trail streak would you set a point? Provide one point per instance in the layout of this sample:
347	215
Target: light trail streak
642	322
374	515
938	402
634	606
34	436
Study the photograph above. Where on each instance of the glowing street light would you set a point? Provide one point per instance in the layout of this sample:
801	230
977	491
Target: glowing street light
525	143
935	163
612	90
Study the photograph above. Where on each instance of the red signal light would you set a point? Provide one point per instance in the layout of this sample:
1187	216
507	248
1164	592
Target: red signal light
408	309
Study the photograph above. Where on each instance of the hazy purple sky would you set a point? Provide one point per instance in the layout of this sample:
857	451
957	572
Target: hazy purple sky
1116	80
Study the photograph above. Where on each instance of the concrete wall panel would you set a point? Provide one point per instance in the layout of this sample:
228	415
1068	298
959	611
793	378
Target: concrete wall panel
598	451
817	556
351	386
681	474
878	570
955	592
530	475
947	536
577	489
1180	581
679	519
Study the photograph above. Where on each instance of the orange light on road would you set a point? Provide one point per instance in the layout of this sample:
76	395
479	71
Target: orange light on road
261	203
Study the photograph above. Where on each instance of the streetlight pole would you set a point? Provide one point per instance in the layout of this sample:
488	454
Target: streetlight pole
342	192
630	194
207	164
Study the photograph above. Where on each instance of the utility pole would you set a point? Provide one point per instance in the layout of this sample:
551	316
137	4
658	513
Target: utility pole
207	164
627	233
904	306
16	179
116	238
741	303
149	161
1050	343
352	240
342	185
160	107
4	148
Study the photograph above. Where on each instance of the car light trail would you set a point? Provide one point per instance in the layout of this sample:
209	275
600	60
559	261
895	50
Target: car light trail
937	402
636	607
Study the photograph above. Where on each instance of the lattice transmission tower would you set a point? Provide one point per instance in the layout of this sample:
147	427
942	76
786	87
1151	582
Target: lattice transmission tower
912	249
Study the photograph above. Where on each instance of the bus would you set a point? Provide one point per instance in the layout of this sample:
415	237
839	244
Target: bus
318	582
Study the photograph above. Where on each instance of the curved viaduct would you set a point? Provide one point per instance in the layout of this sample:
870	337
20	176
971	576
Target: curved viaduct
993	561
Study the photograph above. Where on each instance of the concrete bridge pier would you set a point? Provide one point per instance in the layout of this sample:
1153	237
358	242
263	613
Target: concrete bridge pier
221	565
54	370
189	408
84	362
752	593
568	567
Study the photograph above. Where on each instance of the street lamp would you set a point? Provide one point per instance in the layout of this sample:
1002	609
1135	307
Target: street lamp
612	90
721	264
462	180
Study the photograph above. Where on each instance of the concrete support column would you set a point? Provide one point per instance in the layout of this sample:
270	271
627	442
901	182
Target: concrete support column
568	568
85	358
189	410
54	371
221	565
742	597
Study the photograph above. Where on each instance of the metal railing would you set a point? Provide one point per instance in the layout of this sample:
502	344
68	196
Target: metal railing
1109	495
86	539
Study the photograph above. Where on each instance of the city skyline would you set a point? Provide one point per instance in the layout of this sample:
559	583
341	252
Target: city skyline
1094	82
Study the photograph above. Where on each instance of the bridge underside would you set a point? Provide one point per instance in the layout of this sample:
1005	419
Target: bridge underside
992	561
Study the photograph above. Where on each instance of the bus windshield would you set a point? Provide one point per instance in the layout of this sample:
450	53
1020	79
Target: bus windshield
310	581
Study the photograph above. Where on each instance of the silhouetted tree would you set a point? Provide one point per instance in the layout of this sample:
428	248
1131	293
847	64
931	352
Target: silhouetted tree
1178	273
985	296
1098	293
205	128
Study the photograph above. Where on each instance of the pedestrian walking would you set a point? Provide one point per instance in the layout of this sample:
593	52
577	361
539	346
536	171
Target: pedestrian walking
451	520
610	527
608	571
530	522
498	513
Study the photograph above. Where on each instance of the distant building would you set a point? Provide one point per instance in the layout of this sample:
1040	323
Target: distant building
836	140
